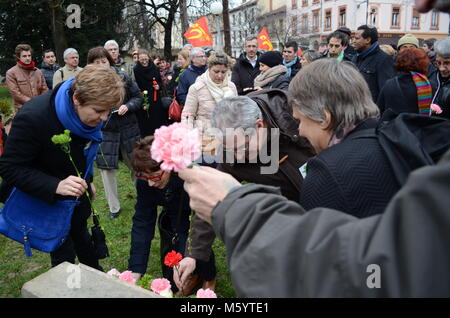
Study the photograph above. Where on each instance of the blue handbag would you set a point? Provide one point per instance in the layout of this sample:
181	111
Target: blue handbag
35	223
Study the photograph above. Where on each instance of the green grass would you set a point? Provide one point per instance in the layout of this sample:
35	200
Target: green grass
16	269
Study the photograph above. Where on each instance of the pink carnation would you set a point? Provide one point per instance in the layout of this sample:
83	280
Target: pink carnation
127	277
206	293
176	146
435	109
159	285
113	272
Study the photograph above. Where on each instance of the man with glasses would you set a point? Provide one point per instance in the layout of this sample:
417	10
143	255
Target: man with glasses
440	79
247	67
194	70
113	48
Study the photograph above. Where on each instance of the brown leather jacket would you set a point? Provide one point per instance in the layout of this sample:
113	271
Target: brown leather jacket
25	84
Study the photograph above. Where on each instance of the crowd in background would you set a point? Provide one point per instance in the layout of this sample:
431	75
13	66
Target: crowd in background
324	102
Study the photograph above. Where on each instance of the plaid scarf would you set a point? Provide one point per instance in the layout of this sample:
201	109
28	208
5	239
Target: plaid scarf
424	94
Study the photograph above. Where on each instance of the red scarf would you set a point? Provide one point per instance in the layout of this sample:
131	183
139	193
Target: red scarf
30	66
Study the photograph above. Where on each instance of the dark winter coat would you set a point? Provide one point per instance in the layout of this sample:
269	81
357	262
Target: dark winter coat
48	72
243	74
30	161
377	67
399	94
275	249
353	176
281	82
156	115
186	79
441	93
121	130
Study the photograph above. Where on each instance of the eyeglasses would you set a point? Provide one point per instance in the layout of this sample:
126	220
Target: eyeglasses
201	56
143	60
154	178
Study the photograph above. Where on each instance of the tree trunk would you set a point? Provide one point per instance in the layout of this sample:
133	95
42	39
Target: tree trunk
146	43
57	27
184	19
226	27
168	33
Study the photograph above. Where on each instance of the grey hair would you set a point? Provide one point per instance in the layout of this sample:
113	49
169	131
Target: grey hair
250	37
442	48
235	112
111	42
194	52
336	87
68	51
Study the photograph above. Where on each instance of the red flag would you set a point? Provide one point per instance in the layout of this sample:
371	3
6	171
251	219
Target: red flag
198	34
264	40
299	52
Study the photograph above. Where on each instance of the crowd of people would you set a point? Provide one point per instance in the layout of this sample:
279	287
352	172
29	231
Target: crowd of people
334	205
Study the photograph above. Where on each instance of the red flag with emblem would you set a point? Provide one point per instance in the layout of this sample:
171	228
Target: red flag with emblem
264	40
198	34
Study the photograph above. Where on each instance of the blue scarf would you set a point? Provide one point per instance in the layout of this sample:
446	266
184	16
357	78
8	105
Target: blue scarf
289	66
69	119
372	48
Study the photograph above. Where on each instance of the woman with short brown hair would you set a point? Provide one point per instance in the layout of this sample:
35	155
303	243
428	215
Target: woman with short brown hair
32	163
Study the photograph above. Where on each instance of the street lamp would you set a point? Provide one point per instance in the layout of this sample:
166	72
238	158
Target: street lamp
216	9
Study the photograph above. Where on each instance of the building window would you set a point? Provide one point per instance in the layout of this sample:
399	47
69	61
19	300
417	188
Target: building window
415	21
395	22
342	16
435	19
327	20
294	4
315	22
305	23
304	3
294	25
373	16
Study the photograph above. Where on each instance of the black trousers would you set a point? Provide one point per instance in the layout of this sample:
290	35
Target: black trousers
79	242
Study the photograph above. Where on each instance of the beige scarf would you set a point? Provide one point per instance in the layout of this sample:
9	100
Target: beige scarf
218	91
270	75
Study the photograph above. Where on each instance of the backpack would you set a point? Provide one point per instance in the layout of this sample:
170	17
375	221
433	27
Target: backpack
409	141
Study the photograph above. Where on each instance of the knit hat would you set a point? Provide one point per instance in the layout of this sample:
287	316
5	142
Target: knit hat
408	39
271	58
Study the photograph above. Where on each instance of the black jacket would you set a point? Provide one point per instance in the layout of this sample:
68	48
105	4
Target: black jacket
31	162
353	176
441	93
243	74
186	79
48	72
399	94
121	129
156	115
281	82
377	67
